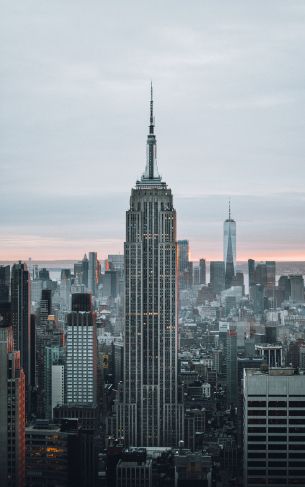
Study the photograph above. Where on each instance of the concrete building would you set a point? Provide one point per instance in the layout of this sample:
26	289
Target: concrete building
272	354
274	432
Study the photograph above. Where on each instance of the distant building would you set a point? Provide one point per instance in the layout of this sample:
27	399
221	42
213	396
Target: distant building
5	275
296	289
217	276
229	249
202	271
92	273
183	248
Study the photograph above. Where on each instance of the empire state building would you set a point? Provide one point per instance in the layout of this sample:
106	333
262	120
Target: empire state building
149	412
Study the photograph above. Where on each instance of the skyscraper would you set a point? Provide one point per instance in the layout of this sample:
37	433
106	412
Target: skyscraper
12	408
149	413
21	320
217	276
202	271
5	273
229	249
92	272
81	363
183	263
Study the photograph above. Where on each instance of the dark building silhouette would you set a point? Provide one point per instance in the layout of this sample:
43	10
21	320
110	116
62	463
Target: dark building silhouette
217	276
5	274
21	321
202	271
81	302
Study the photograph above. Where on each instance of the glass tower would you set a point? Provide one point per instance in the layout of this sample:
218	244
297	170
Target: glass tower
229	249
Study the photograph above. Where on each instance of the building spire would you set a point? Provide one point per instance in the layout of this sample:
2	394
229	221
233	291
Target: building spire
229	208
152	122
151	174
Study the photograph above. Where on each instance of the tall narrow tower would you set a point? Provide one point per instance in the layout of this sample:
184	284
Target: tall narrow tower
229	249
21	320
149	411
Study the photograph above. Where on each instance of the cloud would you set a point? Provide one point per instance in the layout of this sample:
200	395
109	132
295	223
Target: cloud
229	105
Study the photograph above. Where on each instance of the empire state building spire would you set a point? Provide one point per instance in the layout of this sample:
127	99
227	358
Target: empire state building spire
151	174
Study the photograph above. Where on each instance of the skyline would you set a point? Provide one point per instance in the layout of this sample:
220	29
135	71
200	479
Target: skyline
75	117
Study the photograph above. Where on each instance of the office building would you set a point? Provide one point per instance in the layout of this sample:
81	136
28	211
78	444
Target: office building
272	354
53	455
21	321
262	273
229	249
92	273
231	366
149	412
81	355
137	473
5	275
217	276
12	408
273	432
202	271
183	249
296	289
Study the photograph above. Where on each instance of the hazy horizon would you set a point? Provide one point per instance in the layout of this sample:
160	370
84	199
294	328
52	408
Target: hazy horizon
229	107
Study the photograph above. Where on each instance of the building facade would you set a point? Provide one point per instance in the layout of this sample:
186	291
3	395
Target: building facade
12	412
81	355
274	432
21	320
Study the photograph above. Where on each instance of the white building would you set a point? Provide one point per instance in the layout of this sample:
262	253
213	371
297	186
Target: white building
58	386
81	358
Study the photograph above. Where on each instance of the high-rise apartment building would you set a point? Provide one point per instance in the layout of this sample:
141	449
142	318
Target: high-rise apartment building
149	411
81	357
12	410
274	411
5	274
92	272
21	320
229	249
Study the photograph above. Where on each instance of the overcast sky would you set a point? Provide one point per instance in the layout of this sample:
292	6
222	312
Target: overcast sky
229	84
